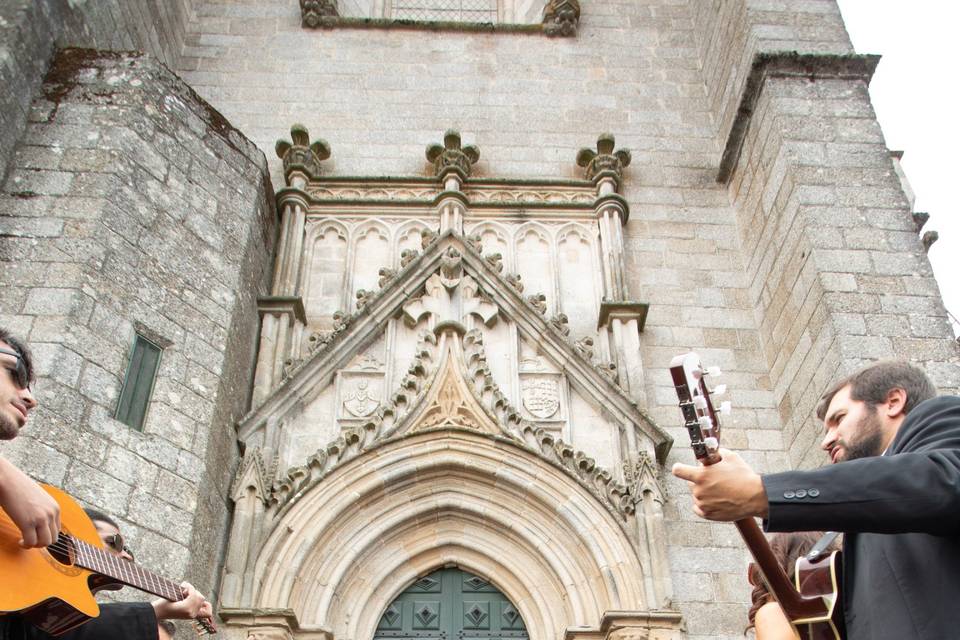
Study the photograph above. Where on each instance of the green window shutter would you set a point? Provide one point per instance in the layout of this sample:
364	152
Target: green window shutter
138	383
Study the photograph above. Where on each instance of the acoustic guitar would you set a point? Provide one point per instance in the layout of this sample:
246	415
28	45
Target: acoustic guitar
53	587
813	603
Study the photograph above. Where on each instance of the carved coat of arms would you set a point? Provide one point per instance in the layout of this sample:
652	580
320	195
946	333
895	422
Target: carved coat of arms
541	397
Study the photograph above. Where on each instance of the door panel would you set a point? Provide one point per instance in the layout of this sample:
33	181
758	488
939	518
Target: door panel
451	604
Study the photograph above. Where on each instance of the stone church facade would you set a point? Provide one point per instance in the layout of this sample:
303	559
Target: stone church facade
423	394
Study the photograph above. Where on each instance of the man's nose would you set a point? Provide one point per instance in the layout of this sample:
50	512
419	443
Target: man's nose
26	395
828	440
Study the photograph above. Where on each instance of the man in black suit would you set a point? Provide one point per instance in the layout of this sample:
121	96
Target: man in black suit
894	490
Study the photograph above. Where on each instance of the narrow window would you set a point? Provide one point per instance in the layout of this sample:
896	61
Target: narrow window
138	383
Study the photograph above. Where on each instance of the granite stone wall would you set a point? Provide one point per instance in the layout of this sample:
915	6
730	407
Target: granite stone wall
31	30
133	206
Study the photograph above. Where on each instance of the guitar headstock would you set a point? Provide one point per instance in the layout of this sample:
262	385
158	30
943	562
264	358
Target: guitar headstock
696	404
204	626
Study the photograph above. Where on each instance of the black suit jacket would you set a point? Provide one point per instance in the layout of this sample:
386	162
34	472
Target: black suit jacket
901	517
117	621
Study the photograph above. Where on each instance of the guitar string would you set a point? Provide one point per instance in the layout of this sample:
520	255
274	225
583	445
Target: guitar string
62	545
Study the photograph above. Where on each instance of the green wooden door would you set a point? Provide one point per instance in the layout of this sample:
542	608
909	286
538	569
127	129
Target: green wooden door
451	604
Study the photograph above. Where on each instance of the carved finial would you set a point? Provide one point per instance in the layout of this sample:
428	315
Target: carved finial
561	17
428	237
363	297
495	260
561	323
340	320
475	241
539	302
386	275
603	161
451	157
407	256
920	218
515	282
300	155
584	347
289	366
318	13
929	237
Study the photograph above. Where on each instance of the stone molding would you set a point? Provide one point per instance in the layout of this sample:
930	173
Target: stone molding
787	64
625	310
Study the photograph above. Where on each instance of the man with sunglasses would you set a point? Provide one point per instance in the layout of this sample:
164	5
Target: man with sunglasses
37	516
31	508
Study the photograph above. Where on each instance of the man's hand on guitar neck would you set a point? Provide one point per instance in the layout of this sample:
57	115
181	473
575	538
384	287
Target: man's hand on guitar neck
726	491
192	606
32	509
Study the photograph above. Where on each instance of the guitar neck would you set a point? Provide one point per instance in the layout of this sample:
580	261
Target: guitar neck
124	571
793	604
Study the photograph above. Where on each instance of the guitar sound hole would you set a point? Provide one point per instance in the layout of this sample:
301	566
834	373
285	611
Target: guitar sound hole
62	550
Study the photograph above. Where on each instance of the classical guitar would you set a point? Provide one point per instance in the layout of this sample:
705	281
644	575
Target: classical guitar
53	587
813	604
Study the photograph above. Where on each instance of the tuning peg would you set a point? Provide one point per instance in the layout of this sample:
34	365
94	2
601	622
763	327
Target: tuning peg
726	408
719	390
712	371
712	444
705	422
700	402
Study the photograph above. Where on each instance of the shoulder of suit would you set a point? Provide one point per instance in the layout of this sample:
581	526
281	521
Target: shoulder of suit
942	413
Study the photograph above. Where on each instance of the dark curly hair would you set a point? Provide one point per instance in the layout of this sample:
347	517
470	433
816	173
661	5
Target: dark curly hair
25	356
786	547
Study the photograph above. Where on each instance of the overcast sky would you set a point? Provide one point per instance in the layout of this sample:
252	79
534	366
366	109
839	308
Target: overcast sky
914	92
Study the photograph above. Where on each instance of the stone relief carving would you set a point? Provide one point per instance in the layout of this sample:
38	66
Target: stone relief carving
542	196
515	282
384	422
252	473
603	160
541	396
642	476
358	402
273	633
561	17
451	156
450	295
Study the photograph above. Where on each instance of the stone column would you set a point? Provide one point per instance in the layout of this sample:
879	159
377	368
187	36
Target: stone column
283	317
622	318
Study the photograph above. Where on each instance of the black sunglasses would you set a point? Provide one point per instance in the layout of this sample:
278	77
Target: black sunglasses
20	376
115	541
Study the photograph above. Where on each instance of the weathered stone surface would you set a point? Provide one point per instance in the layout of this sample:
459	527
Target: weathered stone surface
119	251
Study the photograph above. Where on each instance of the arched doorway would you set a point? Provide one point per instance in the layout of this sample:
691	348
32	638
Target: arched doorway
451	604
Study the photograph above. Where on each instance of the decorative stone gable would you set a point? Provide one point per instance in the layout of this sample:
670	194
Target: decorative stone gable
448	311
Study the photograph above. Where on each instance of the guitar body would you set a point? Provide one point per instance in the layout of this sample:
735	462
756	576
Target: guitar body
821	579
52	594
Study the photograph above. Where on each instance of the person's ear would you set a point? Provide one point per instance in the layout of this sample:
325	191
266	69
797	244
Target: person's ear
895	402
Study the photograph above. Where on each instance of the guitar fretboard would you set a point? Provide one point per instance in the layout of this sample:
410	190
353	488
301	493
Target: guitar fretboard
121	570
